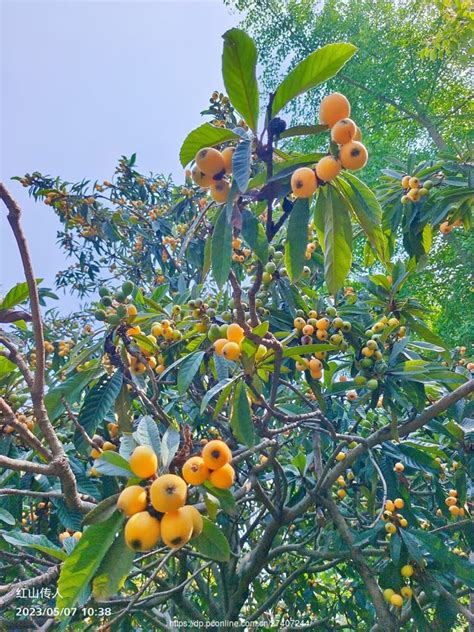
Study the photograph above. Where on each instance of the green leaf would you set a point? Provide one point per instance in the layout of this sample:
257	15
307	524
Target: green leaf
241	164
205	135
111	463
113	570
304	130
337	240
6	517
291	352
18	294
297	239
212	542
239	62
147	434
188	369
241	419
217	388
319	66
6	366
70	390
169	446
224	497
254	234
221	245
102	511
81	565
38	542
99	400
368	211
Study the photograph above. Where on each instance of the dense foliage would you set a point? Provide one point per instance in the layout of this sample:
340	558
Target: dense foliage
330	428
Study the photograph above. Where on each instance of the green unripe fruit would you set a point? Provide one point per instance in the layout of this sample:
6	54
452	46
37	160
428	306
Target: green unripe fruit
271	251
423	191
369	333
346	326
192	304
258	302
267	278
378	355
372	385
198	302
100	315
306	271
213	303
214	333
335	339
338	323
366	363
331	311
428	184
211	312
223	329
121	297
299	313
283	272
371	344
393	322
360	380
405	199
113	319
104	291
127	287
177	335
121	311
270	267
344	346
278	255
106	301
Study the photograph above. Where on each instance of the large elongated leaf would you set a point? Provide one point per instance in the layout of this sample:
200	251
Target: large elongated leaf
337	240
169	446
368	211
241	164
80	567
217	388
239	62
205	135
254	234
96	405
212	542
188	369
147	434
18	294
303	130
241	419
319	66
111	463
70	390
113	570
221	245
6	366
297	239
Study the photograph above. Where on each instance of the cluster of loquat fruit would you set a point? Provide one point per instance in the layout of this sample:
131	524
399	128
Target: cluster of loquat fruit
406	592
211	170
414	189
452	504
159	510
230	346
446	227
31	519
348	153
27	421
392	518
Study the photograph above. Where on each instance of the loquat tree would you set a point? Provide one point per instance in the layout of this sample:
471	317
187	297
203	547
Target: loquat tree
231	435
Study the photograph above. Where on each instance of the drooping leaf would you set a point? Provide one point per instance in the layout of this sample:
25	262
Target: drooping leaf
99	400
337	240
221	245
319	66
368	211
169	446
241	419
113	570
188	369
212	542
18	294
6	517
217	388
239	61
205	135
81	565
241	164
102	511
254	234
297	239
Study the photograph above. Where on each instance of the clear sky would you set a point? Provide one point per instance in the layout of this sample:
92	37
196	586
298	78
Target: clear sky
83	83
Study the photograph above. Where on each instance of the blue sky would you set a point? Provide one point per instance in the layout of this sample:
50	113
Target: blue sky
83	83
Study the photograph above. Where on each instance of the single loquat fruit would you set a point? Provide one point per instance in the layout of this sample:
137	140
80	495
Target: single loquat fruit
143	461
399	503
216	454
328	168
219	345
450	501
333	108
303	182
343	131
132	500
168	493
399	468
227	156
195	471
231	351
176	528
353	156
201	179
407	570
220	191
235	333
142	531
396	600
196	519
210	161
223	478
387	594
406	592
